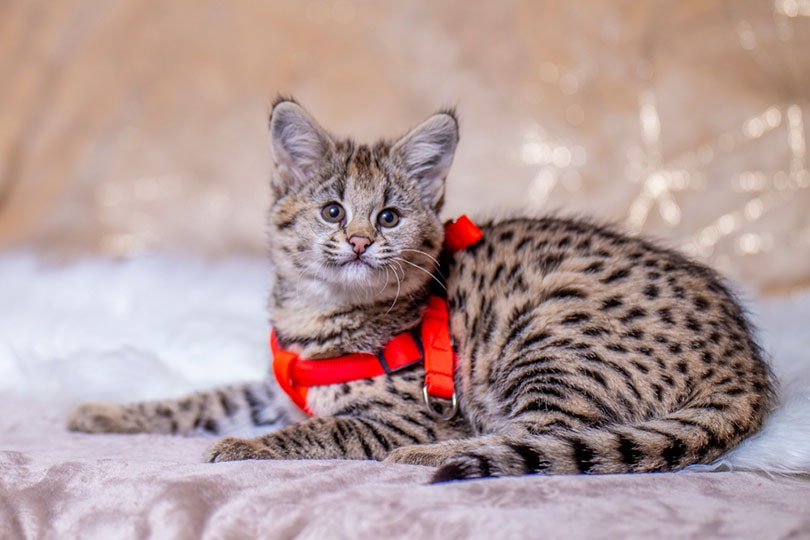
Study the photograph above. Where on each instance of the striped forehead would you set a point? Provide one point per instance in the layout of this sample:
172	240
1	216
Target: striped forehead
364	167
361	171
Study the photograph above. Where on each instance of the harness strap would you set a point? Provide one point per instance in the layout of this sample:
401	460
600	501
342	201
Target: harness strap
283	362
295	374
439	358
433	344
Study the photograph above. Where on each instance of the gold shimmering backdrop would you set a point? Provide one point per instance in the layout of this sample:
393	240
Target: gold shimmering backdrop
129	126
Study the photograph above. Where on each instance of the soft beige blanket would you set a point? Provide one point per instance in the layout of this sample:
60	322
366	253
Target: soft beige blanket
60	485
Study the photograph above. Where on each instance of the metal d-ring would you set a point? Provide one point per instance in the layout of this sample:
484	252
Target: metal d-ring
433	413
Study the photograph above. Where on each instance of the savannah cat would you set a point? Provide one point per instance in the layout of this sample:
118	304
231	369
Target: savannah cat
578	349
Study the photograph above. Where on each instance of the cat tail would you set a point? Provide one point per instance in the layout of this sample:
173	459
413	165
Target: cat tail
242	409
698	433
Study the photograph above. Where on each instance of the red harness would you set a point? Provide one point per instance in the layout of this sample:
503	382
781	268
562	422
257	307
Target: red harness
431	343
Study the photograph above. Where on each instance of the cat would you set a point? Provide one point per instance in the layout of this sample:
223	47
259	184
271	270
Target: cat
579	349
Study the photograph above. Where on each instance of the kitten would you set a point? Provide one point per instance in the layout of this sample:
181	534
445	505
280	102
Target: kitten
579	349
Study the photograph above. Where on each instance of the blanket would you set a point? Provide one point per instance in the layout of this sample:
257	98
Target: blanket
163	325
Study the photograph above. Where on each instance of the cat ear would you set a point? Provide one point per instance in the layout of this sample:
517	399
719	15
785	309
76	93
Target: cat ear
298	143
426	153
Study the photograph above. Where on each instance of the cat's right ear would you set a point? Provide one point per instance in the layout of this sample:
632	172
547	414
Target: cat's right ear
426	154
298	143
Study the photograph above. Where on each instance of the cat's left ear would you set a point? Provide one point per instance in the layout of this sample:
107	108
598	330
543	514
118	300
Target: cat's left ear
426	154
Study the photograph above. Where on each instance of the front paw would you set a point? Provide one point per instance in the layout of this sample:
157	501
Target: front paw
235	449
101	418
431	455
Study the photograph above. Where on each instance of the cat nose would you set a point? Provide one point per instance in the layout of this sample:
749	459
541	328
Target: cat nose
359	244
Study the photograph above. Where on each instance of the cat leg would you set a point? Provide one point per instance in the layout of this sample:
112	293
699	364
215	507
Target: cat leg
324	438
436	454
248	408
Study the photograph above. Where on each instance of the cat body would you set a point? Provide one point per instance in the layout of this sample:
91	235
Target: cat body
579	349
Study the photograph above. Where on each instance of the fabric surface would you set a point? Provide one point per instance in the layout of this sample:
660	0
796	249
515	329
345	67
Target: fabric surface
57	485
163	325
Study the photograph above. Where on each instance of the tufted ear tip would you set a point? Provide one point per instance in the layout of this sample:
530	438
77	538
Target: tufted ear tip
284	105
283	98
450	113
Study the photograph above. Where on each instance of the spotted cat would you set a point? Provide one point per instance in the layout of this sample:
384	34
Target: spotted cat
579	349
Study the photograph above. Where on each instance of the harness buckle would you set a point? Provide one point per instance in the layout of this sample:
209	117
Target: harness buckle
444	415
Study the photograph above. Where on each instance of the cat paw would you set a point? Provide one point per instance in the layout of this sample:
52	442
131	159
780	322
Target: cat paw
431	455
464	467
488	461
235	449
101	418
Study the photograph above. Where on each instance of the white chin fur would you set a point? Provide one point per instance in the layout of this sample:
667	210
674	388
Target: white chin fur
360	274
353	277
360	280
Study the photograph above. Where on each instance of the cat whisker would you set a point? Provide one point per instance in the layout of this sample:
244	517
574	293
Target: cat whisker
399	265
387	279
433	276
429	256
399	284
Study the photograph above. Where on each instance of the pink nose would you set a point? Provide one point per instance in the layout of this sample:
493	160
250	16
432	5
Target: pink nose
359	243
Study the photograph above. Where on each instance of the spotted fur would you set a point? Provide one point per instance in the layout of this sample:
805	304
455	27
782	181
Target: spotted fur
579	349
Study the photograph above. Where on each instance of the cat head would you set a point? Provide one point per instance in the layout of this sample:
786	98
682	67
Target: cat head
358	218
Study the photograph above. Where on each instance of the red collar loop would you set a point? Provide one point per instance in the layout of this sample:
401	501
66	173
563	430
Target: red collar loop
461	234
431	343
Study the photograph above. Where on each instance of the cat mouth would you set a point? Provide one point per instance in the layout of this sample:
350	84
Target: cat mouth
357	261
353	270
357	271
358	265
338	264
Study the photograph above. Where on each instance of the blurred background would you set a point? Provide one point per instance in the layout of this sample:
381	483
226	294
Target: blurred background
130	126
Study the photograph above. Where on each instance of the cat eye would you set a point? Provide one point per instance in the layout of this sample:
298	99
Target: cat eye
333	213
388	218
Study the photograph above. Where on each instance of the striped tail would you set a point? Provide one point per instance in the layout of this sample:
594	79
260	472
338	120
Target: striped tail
699	433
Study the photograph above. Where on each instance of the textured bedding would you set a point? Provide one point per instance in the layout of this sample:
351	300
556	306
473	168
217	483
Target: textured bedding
159	326
61	485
